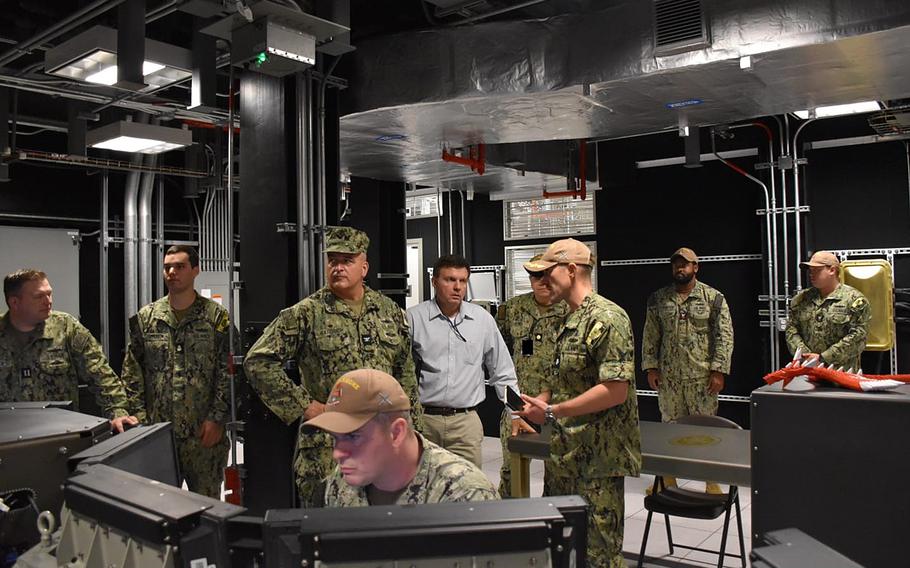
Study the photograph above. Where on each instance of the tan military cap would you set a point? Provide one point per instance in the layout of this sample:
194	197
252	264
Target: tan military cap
346	239
821	258
357	397
563	251
686	253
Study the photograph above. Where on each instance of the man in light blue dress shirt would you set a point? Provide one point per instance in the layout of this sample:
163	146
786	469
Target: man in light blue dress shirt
454	343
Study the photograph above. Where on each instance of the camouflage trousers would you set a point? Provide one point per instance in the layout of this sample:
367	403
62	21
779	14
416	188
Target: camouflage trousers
606	498
685	398
203	468
311	468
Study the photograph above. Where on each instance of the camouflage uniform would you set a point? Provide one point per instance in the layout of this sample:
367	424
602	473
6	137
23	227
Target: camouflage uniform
61	353
591	454
442	477
687	339
531	337
834	326
326	340
177	372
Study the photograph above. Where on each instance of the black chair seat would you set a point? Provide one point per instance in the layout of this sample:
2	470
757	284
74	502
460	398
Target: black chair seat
682	503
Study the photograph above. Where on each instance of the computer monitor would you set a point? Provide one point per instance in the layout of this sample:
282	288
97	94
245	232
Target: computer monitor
549	531
149	451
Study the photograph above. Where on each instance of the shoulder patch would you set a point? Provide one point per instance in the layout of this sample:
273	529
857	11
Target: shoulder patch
858	303
597	331
223	323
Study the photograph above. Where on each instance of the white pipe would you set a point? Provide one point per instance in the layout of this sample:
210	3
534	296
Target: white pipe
104	283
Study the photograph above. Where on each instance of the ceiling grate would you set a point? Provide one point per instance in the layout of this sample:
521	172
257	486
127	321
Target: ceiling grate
891	122
679	25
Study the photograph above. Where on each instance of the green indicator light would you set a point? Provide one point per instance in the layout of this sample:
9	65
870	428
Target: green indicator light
261	58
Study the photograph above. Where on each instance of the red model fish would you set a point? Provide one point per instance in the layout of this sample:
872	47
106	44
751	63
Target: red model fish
815	371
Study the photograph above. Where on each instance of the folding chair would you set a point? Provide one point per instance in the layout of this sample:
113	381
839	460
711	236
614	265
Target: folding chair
677	502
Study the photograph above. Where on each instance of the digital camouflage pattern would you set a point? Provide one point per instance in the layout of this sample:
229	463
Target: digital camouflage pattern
531	338
346	239
686	343
679	339
594	346
177	372
834	327
61	354
325	339
442	477
606	502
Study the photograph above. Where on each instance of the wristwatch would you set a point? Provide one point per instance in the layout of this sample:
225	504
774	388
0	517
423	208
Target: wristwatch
548	414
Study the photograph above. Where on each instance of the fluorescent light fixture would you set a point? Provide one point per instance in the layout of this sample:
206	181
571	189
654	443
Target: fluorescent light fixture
92	56
839	110
128	136
108	75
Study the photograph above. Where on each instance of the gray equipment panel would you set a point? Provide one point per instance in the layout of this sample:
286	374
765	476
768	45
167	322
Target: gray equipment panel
791	548
35	444
833	463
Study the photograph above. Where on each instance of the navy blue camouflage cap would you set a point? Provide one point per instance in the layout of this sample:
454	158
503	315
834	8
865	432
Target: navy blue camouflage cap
346	239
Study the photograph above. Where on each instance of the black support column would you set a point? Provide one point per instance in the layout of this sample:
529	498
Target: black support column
268	272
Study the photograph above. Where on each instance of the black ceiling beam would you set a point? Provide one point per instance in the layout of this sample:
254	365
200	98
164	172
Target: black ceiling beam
204	85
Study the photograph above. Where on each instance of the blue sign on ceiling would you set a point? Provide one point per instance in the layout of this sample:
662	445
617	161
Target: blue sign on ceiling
685	103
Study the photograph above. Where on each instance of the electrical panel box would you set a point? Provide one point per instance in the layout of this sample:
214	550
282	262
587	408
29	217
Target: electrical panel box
271	48
873	278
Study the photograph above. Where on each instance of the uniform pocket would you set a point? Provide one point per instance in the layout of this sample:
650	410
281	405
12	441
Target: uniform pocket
54	361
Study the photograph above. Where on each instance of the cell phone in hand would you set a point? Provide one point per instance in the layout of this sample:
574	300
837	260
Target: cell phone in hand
513	399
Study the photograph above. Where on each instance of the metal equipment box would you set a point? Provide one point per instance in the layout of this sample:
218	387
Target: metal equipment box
834	464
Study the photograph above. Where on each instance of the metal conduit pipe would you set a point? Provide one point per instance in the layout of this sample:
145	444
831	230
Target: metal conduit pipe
783	131
772	332
159	263
771	217
72	21
104	268
130	237
304	206
796	204
230	257
438	223
316	258
449	207
320	158
464	249
146	191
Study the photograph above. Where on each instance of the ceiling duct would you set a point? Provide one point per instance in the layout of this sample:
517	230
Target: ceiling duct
679	25
598	74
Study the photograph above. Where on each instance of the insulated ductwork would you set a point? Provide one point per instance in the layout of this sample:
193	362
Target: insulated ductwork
601	74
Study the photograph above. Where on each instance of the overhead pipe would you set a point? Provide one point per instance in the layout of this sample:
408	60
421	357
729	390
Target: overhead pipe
796	204
476	160
772	331
471	19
